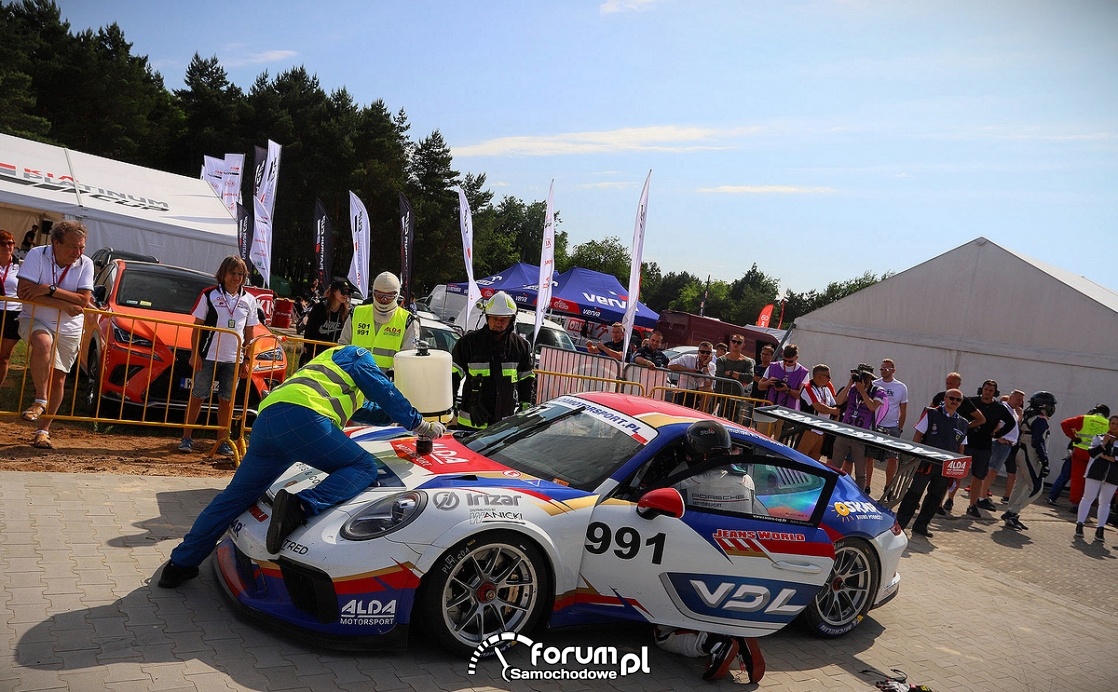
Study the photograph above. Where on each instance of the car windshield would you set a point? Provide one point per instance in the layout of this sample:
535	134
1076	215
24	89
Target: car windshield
442	339
548	337
161	290
563	440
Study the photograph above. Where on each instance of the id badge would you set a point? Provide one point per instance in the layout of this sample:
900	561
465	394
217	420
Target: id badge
232	324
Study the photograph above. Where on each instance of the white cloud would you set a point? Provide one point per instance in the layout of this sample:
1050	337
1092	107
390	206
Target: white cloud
268	56
616	6
608	185
768	190
664	139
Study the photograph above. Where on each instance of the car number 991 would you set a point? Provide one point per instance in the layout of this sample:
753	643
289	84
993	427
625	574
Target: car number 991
599	538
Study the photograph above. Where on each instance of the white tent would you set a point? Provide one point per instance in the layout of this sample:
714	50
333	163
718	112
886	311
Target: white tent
985	312
177	219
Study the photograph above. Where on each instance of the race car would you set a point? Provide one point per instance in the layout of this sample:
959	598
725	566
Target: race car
581	510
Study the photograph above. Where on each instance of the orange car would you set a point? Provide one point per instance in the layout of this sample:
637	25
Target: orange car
139	353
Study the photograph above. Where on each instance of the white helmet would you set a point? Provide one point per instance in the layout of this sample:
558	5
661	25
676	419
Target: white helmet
500	304
386	282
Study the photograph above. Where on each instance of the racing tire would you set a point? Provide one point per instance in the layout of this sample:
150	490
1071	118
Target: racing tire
484	585
848	593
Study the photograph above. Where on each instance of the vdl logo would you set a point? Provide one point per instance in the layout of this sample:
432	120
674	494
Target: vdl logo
619	665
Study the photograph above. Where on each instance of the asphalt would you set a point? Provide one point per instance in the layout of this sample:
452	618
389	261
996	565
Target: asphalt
981	608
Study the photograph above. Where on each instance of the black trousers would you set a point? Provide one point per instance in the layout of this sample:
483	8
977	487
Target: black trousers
927	477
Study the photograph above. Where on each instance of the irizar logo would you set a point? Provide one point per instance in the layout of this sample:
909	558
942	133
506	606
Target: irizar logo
619	664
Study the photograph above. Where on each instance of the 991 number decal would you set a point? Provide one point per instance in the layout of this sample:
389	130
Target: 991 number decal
599	538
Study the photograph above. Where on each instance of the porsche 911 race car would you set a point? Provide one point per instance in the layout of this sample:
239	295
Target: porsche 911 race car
577	511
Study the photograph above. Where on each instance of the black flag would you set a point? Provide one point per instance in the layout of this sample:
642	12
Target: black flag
323	246
244	232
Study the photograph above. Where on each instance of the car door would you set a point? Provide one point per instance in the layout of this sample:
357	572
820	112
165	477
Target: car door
745	558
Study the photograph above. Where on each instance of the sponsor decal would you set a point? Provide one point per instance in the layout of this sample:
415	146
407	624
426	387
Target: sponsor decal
236	528
511	473
868	436
368	612
638	430
445	500
67	185
297	548
858	510
478	516
956	468
492	500
257	513
736	597
619	303
561	663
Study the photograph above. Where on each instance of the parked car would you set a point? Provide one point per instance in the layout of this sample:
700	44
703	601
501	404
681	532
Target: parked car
436	333
136	362
102	257
566	514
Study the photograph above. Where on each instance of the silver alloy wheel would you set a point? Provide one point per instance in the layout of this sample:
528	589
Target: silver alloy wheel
847	595
494	588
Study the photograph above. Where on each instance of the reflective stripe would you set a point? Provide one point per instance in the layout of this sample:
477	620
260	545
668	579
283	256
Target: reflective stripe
321	386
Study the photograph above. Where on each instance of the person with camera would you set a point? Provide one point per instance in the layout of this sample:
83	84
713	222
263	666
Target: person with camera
784	380
326	319
862	400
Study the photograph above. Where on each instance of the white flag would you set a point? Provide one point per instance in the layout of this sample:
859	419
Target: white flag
359	265
547	264
231	182
637	254
267	191
211	172
261	252
473	293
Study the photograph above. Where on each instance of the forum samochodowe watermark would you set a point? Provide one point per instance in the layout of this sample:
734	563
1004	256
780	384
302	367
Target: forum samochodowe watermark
561	663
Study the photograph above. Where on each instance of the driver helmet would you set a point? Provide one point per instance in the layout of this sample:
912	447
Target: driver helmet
386	282
706	437
1043	401
500	304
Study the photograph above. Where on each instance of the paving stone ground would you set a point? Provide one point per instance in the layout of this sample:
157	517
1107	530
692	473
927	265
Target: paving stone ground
980	609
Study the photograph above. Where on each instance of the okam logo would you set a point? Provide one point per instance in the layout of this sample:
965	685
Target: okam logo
555	663
857	510
361	611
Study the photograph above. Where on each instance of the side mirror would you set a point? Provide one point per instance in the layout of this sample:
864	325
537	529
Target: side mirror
99	294
662	501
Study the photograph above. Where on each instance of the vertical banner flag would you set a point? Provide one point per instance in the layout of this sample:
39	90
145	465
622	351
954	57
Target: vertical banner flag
473	293
259	159
407	249
231	182
263	205
212	169
766	316
637	257
359	265
703	302
244	231
547	264
780	324
323	246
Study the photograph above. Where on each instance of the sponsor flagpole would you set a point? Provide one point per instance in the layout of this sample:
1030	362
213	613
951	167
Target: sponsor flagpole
359	265
407	248
323	246
547	264
263	205
473	293
637	257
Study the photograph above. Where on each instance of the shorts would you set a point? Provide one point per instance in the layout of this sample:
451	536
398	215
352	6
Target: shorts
65	347
878	452
204	378
999	453
10	329
979	462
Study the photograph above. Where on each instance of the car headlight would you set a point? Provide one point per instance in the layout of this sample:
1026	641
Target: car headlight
126	337
270	354
384	516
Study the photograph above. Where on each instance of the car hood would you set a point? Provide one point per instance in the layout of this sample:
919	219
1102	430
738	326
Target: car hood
136	320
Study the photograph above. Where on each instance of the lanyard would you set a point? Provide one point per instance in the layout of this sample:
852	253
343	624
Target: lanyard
232	309
54	270
4	278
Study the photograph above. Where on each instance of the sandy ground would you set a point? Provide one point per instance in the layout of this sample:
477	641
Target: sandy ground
128	451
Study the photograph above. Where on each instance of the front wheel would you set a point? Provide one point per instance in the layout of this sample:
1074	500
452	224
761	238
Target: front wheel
485	585
848	593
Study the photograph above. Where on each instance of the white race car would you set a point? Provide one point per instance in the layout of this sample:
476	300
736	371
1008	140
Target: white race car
580	510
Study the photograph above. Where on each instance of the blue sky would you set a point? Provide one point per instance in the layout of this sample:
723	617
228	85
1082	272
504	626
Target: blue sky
819	139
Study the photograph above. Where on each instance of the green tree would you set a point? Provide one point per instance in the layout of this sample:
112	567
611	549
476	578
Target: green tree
212	109
608	256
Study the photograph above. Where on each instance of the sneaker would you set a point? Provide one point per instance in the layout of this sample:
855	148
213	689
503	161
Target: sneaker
986	504
751	658
941	510
225	449
1015	523
722	655
1100	534
866	490
187	445
1005	499
287	515
1079	530
1050	501
173	575
972	511
948	504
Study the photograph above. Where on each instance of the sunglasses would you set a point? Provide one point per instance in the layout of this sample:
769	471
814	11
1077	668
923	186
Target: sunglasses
704	353
736	341
953	398
789	360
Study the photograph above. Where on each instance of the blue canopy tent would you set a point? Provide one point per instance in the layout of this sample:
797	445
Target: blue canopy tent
516	276
586	293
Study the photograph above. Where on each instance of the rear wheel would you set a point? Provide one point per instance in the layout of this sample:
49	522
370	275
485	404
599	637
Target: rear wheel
91	393
849	592
485	585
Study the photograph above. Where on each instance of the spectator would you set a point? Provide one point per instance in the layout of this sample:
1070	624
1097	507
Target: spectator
784	381
652	355
28	242
1005	445
215	357
1101	479
1080	430
615	347
300	420
9	309
818	398
862	400
892	422
720	349
943	428
701	364
738	367
980	440
58	279
1032	467
326	319
967	410
762	366
382	325
496	364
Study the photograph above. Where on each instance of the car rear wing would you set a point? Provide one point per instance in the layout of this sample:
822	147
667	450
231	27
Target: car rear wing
909	453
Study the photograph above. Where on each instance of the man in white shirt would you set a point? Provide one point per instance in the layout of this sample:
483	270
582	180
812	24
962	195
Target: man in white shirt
893	421
700	363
